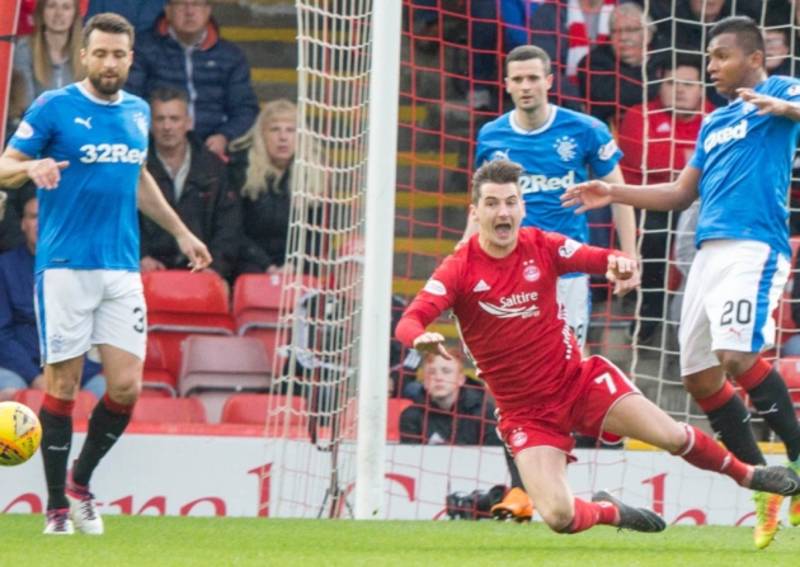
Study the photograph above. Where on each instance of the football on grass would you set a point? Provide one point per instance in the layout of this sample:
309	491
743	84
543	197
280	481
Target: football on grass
20	433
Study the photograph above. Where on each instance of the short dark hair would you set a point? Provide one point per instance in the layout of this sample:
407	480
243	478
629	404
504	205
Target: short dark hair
527	52
108	22
748	34
496	171
167	94
683	60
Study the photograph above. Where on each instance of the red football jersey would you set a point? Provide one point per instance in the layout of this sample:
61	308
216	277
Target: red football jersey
508	315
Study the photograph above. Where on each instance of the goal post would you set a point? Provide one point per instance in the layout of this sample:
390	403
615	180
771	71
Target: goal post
378	246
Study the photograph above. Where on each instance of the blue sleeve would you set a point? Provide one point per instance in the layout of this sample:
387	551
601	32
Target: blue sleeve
515	23
480	151
603	152
241	104
788	89
13	355
36	129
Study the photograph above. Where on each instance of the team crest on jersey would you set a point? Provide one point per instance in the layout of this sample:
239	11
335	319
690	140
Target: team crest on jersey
569	248
794	90
24	131
500	154
607	150
518	438
141	122
748	107
529	271
565	148
435	287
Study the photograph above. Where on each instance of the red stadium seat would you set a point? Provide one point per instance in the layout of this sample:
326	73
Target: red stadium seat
168	410
396	407
256	306
214	367
157	380
789	368
287	414
180	303
84	402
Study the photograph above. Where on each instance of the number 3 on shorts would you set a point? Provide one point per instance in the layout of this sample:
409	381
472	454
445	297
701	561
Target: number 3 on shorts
138	313
606	377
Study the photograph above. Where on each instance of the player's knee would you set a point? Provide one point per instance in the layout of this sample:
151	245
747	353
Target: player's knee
736	363
703	384
557	516
125	390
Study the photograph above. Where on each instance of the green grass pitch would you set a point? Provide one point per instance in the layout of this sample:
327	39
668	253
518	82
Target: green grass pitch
156	541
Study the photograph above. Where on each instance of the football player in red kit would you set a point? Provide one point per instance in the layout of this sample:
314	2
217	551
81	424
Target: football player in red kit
501	287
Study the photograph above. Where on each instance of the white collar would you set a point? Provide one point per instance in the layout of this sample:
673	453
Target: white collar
552	110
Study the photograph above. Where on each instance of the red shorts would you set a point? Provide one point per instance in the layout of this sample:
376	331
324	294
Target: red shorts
599	387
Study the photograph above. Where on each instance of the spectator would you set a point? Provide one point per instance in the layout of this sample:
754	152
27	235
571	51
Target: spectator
184	50
778	60
50	57
565	31
612	76
194	182
10	214
261	171
20	362
451	411
667	126
142	14
694	19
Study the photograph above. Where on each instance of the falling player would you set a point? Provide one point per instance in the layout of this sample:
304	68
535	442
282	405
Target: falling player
740	171
84	146
501	286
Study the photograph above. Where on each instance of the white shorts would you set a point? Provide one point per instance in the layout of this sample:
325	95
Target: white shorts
573	295
731	293
76	309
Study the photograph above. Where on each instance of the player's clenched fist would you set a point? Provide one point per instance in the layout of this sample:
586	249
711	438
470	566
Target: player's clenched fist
46	173
623	272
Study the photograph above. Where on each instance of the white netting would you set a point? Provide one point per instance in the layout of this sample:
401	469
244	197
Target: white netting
320	306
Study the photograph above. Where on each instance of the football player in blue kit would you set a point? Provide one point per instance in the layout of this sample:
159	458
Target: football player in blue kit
740	171
557	148
84	146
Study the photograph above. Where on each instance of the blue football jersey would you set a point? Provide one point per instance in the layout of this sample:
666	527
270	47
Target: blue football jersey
559	154
745	161
90	220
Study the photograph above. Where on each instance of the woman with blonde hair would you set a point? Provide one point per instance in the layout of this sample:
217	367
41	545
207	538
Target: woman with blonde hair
50	57
260	169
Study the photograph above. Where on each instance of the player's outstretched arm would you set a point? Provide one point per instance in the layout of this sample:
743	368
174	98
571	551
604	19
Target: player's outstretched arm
17	168
153	204
594	194
770	104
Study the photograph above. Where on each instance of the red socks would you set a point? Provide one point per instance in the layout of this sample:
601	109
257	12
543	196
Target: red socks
588	514
703	452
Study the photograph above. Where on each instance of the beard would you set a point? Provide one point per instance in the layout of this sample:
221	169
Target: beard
106	85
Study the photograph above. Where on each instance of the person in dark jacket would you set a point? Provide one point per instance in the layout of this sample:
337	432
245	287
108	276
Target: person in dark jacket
20	360
612	76
194	182
260	170
452	411
185	51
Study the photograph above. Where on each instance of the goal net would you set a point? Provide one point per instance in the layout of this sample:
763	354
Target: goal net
450	85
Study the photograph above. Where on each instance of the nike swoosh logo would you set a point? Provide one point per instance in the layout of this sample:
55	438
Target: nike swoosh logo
54	448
